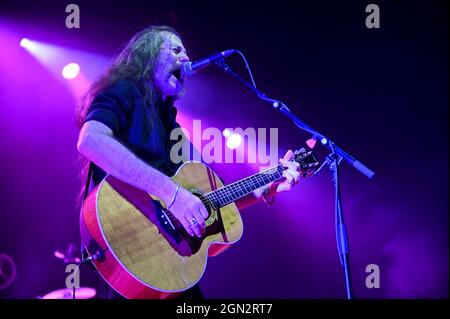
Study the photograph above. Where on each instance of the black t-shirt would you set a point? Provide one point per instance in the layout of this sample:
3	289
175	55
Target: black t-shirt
146	133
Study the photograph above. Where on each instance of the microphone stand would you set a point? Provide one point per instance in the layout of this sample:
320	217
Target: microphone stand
332	160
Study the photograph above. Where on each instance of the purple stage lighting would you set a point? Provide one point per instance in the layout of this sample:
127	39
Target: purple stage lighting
70	71
233	141
226	132
24	42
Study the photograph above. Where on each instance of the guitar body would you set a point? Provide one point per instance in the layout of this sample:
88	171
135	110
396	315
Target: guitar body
145	252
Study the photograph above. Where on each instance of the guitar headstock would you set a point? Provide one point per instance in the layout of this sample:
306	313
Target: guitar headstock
307	160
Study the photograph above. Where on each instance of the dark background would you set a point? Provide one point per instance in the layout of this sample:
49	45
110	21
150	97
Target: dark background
381	94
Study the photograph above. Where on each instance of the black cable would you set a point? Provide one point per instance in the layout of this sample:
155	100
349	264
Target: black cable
247	66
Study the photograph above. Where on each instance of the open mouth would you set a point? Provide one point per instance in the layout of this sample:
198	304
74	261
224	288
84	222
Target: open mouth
177	74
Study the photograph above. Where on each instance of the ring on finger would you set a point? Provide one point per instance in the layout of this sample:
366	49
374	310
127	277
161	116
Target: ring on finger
193	222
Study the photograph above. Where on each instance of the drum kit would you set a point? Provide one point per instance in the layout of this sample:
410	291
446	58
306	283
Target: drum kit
67	293
69	256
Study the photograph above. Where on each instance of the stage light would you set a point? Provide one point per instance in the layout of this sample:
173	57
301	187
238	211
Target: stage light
24	43
226	132
233	141
57	60
70	71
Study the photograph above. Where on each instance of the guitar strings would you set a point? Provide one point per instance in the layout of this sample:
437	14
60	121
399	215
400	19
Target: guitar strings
225	194
229	191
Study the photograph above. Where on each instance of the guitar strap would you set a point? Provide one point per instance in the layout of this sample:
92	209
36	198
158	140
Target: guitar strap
213	184
88	180
84	254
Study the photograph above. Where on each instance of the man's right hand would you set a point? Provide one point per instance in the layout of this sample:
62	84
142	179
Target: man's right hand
190	211
98	144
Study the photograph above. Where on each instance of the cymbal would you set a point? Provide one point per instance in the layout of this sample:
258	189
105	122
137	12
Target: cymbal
67	293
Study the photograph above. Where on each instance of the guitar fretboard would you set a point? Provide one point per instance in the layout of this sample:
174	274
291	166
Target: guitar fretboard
232	192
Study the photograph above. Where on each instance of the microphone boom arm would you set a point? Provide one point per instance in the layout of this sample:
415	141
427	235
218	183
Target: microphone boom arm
333	161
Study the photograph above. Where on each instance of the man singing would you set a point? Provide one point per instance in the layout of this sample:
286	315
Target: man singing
125	122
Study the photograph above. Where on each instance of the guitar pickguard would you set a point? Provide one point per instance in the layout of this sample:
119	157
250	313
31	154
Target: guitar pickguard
176	235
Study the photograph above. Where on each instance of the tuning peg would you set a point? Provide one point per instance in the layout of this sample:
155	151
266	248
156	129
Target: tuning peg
300	151
311	143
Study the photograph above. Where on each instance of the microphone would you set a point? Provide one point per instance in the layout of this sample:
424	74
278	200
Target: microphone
189	68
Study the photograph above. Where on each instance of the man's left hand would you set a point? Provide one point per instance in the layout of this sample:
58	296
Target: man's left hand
291	175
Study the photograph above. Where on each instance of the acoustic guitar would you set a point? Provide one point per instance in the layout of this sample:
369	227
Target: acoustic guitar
142	251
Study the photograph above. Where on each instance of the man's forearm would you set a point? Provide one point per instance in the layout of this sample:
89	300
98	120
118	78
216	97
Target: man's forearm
115	159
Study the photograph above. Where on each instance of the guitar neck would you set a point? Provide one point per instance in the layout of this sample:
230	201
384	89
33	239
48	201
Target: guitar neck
232	192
